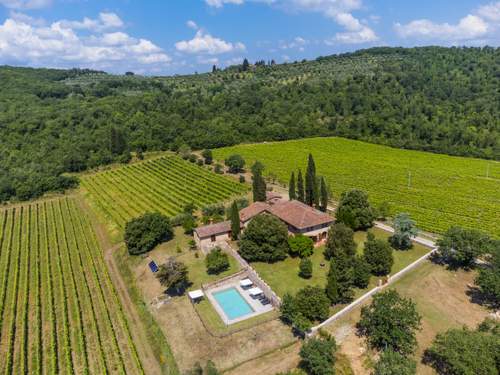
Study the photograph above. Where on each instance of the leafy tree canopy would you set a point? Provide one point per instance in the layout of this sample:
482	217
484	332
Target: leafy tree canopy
142	234
355	211
265	239
301	245
318	356
216	261
173	275
340	240
235	163
394	363
378	254
390	322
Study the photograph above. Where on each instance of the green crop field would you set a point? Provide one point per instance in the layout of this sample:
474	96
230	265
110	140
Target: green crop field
437	190
59	311
165	185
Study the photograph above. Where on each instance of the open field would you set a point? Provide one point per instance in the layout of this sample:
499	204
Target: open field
164	184
442	300
437	190
283	276
59	311
191	338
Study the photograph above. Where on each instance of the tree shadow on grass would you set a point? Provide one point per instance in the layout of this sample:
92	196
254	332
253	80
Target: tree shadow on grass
477	297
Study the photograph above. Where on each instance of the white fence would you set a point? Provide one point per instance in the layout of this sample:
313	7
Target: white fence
370	293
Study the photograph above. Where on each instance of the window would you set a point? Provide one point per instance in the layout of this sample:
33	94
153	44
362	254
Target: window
213	238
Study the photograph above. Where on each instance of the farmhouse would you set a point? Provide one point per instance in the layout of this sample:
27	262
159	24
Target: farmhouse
298	217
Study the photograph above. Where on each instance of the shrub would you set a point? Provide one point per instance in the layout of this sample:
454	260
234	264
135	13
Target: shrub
340	239
305	268
404	230
193	158
142	234
235	163
301	245
207	155
355	211
390	322
265	239
199	162
318	356
217	261
189	224
308	305
488	279
340	282
242	179
393	363
218	169
378	254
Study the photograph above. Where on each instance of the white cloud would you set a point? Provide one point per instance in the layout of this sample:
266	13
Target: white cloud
25	4
192	25
26	41
477	28
339	11
206	43
105	21
297	43
469	27
220	3
490	12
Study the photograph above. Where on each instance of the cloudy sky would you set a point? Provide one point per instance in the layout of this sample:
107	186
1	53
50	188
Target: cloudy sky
184	36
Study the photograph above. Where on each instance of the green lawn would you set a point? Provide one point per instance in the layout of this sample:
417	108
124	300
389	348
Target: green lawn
283	276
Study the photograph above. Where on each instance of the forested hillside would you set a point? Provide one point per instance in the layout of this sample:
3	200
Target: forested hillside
439	99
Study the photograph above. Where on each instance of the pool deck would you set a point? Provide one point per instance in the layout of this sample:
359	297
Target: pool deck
257	307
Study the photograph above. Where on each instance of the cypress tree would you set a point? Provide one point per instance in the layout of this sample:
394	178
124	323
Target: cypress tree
310	181
342	268
235	221
300	187
291	188
324	195
258	183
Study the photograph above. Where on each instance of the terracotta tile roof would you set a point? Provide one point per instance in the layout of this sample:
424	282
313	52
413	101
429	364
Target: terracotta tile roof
213	229
253	210
299	215
270	195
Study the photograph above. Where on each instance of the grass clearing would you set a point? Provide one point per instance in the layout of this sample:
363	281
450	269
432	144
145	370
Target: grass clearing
436	190
283	276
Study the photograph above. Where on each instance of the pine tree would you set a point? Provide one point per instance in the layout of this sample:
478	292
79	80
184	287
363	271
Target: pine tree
324	195
300	187
291	188
332	289
245	65
235	221
310	181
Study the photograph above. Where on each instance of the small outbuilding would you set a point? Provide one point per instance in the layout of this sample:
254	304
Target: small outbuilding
196	295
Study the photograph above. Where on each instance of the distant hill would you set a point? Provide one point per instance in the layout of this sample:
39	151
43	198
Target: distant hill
443	100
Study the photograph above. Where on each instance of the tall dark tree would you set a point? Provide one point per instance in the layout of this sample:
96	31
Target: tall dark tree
318	356
245	65
258	183
117	141
311	181
341	275
235	221
300	188
354	210
292	193
340	240
378	253
323	203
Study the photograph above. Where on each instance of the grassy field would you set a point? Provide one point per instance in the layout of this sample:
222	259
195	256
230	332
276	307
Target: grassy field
442	300
59	311
437	190
283	276
163	184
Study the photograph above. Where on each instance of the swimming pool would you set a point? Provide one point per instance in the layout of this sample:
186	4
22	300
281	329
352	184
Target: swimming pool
232	303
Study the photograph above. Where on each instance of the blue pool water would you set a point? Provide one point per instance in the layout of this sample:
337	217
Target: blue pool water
232	302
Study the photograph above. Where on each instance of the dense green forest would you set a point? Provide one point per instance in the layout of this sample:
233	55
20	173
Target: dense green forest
443	100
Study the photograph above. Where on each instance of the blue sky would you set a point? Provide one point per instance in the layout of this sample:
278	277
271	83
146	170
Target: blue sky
184	36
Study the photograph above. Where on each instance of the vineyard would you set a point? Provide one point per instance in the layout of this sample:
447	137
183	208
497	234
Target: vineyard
59	311
164	185
437	190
